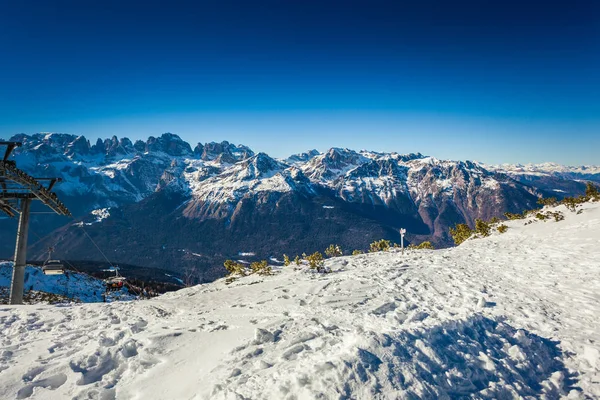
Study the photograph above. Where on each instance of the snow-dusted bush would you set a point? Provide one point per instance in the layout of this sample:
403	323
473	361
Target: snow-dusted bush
548	201
460	233
512	216
234	270
541	216
261	268
502	228
422	246
356	252
592	192
286	260
333	250
379	245
315	261
482	228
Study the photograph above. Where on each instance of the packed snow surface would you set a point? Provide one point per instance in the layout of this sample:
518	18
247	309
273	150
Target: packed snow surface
512	315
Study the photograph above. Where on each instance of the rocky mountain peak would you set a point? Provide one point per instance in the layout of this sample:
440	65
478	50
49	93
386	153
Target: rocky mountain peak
302	157
170	144
78	146
223	152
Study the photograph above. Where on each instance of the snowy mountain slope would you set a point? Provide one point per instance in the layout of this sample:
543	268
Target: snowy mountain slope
73	285
110	173
249	202
590	172
552	179
508	316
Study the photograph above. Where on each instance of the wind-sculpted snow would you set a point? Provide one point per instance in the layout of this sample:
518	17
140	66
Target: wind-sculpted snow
514	315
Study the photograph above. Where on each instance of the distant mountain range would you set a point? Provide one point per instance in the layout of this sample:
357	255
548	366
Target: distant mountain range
161	203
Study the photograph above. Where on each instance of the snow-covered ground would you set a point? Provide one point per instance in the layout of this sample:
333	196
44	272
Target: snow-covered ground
509	316
73	285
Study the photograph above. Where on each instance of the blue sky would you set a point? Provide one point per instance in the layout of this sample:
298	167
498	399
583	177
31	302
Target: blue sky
518	81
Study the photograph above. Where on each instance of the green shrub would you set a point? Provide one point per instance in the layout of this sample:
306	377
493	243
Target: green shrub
356	252
558	216
502	228
482	228
548	201
297	260
234	268
422	246
315	261
541	216
592	192
573	202
261	268
333	251
512	216
379	245
494	220
460	233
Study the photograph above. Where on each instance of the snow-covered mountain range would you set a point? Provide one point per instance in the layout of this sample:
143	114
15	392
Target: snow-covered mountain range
513	315
163	203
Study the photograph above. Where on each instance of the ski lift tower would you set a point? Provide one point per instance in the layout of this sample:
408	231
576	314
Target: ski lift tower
17	190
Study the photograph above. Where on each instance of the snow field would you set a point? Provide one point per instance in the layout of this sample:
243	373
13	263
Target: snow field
509	316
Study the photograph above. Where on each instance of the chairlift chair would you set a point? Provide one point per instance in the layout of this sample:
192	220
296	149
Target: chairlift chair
53	267
115	283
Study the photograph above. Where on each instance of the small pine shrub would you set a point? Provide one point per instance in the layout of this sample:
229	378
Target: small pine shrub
541	216
234	268
494	220
548	201
572	203
333	251
422	246
558	216
261	268
297	260
460	233
531	213
379	245
512	216
482	228
286	260
592	192
315	261
502	228
356	252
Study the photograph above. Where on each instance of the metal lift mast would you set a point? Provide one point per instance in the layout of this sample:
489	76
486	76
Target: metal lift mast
17	190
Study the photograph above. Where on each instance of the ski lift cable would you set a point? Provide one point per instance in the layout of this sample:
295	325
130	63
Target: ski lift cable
52	247
97	247
139	293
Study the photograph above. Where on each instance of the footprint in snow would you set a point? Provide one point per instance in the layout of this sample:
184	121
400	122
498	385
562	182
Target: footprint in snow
52	383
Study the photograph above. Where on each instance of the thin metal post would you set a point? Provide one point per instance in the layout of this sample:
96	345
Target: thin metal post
402	232
402	243
18	277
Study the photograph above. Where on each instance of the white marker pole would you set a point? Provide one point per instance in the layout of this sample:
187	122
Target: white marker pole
402	232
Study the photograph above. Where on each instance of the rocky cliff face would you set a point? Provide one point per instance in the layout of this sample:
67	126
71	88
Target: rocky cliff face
172	206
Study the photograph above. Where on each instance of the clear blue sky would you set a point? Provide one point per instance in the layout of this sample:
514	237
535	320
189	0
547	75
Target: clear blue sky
517	81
